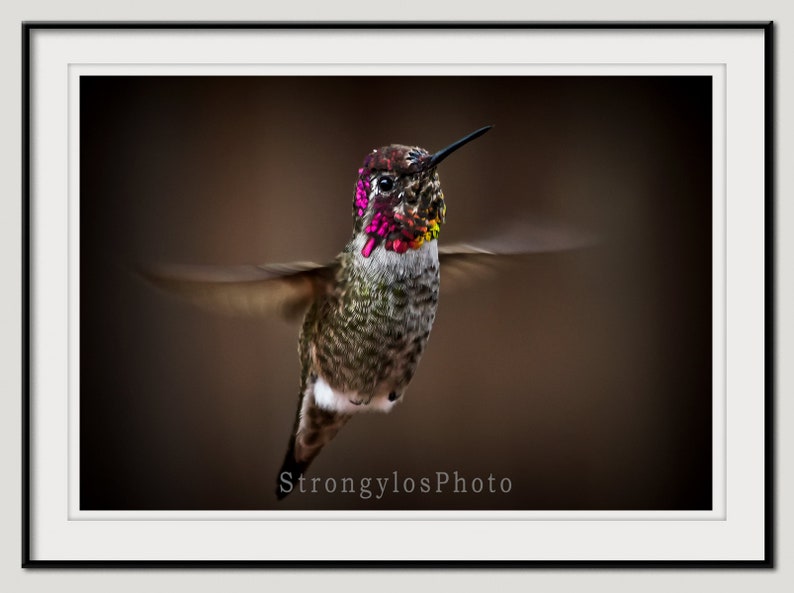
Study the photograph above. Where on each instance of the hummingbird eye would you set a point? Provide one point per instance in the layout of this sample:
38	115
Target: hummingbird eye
385	183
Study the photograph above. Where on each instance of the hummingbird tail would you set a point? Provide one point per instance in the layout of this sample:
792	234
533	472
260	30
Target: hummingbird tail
315	427
291	470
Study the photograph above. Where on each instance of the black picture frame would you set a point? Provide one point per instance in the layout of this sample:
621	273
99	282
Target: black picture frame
28	290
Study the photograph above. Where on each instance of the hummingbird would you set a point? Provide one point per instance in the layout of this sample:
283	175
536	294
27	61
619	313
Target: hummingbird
368	314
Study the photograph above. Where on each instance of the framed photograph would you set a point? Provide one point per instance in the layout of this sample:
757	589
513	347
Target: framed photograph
417	294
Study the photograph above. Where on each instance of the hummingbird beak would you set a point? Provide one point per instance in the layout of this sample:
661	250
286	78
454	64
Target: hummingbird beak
445	152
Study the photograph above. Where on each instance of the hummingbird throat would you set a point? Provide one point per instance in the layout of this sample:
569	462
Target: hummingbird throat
399	232
397	227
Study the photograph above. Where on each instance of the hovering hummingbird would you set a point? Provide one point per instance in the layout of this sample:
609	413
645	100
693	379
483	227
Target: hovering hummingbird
368	314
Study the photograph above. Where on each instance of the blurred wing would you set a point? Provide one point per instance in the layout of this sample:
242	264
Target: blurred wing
462	263
284	290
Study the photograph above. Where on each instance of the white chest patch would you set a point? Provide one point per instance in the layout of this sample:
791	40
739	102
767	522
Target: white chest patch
391	263
329	399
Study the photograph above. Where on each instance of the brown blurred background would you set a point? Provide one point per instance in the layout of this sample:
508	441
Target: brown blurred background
584	377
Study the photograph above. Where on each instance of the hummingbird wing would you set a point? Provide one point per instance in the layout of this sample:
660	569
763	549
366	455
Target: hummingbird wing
462	263
284	290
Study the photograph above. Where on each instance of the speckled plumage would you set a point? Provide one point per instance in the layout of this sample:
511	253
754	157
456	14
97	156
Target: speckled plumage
362	339
366	335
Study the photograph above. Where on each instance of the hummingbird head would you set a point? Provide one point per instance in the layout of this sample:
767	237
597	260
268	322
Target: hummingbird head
399	203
